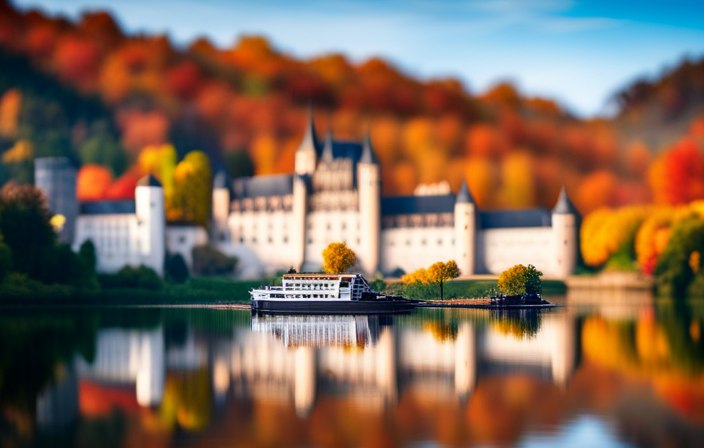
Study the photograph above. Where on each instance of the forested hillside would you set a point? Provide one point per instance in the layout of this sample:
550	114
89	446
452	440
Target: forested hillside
90	91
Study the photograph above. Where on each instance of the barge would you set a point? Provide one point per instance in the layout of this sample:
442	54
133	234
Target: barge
326	294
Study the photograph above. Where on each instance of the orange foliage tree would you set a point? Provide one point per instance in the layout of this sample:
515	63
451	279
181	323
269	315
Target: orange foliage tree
92	182
677	177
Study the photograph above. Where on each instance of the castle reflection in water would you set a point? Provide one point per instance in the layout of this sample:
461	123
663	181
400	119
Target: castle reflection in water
292	360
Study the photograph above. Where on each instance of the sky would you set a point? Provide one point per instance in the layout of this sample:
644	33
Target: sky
577	52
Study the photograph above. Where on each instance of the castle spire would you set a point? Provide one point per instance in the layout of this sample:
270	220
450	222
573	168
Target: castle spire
327	155
310	138
564	206
464	196
368	155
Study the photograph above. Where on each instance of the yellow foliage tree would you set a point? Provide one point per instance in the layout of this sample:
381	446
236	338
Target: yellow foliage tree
192	197
605	232
437	273
20	152
337	258
441	272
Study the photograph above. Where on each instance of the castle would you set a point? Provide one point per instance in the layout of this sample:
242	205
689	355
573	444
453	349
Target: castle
275	222
272	223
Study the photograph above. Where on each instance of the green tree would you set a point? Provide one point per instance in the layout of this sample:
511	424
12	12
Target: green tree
441	272
210	261
337	258
5	259
103	149
24	223
239	164
176	268
675	269
520	280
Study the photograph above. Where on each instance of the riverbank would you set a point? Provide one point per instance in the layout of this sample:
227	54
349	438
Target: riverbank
483	303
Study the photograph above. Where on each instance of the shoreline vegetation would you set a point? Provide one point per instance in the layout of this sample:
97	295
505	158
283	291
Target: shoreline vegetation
223	291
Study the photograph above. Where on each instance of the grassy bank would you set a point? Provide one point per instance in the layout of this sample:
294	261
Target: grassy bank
465	289
193	291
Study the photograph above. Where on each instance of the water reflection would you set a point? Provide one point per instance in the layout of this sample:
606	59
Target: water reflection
452	377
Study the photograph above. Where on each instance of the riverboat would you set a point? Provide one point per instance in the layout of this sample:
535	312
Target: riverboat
326	294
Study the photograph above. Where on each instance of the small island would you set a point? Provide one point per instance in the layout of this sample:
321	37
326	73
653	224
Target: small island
518	287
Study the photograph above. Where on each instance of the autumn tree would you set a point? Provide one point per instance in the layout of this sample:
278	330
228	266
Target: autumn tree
438	273
193	182
520	280
441	272
92	182
338	258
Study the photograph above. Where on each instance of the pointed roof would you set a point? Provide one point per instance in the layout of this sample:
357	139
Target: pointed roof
368	155
149	181
464	196
564	206
310	138
327	147
221	179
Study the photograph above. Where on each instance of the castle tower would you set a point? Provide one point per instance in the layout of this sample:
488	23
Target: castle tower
221	207
565	238
56	177
300	211
465	231
149	204
307	152
369	189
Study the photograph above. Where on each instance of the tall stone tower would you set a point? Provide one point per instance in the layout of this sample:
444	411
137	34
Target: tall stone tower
307	152
565	220
56	177
369	189
221	207
465	231
149	204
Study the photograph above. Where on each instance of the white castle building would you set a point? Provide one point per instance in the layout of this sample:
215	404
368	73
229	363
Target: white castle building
130	232
275	222
272	223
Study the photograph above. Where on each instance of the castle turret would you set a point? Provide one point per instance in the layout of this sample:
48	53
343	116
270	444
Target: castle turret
327	155
56	177
307	152
369	188
465	230
221	207
565	238
149	203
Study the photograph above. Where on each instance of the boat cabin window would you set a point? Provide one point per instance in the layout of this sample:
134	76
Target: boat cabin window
344	284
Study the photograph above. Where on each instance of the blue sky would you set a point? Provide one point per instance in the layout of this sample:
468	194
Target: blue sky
577	52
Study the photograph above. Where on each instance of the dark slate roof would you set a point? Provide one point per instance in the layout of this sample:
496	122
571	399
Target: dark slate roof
221	180
464	196
538	217
107	207
344	149
564	206
407	205
258	186
368	155
149	181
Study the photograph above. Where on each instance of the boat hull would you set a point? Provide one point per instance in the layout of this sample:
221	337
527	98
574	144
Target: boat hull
333	306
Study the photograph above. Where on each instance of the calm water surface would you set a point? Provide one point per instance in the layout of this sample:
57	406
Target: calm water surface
606	372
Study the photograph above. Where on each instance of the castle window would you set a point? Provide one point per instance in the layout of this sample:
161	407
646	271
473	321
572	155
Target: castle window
466	227
241	239
270	240
423	241
408	242
310	240
439	241
285	239
329	226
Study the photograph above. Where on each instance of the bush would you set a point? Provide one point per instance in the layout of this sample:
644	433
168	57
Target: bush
142	277
210	261
674	270
176	269
520	280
